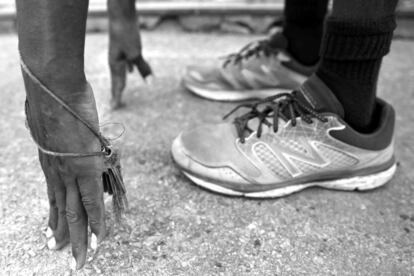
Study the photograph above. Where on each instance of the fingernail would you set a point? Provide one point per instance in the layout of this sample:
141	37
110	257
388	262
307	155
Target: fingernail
49	233
94	242
51	244
150	80
73	264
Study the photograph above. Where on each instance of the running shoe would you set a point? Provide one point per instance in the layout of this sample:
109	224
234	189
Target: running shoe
259	70
286	143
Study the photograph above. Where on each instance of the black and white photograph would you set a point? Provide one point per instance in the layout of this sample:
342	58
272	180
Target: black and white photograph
207	137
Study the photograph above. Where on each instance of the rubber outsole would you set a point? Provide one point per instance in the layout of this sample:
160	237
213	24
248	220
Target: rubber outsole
233	96
356	183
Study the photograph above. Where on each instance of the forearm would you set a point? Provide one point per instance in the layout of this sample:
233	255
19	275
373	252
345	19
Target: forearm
122	10
51	41
123	29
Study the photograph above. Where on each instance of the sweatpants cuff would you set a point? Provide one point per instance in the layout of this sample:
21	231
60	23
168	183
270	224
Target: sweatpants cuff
357	40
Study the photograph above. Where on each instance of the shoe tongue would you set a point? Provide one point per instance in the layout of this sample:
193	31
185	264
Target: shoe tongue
315	93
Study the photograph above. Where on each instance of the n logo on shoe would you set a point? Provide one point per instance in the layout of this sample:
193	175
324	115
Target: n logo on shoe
291	158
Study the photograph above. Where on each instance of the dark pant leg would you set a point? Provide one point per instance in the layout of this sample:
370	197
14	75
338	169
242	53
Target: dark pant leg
358	34
303	28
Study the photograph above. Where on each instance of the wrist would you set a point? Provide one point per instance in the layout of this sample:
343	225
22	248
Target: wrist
122	10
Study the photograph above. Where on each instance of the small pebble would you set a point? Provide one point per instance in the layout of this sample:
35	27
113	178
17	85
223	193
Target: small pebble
404	216
97	270
31	253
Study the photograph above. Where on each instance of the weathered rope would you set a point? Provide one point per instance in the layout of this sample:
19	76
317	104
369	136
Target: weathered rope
106	147
101	126
112	180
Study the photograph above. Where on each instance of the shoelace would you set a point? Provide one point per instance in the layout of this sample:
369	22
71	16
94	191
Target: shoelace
255	48
286	106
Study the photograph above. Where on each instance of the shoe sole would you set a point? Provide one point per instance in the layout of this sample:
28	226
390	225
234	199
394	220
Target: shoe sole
234	96
356	183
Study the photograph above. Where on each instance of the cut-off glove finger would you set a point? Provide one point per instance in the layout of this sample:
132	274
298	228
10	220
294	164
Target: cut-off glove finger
143	67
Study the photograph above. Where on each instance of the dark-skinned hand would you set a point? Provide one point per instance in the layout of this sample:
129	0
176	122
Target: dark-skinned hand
125	52
74	184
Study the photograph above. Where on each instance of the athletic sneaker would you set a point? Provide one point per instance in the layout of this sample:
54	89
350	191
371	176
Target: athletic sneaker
287	143
259	70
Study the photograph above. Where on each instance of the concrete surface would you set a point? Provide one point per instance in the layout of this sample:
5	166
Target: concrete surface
176	228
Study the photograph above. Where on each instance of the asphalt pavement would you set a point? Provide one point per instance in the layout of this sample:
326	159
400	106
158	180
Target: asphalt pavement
176	228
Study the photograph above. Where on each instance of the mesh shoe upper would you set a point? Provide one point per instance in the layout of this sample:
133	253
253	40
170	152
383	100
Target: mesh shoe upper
290	147
260	65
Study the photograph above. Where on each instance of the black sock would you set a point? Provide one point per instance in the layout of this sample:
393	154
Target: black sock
303	28
351	56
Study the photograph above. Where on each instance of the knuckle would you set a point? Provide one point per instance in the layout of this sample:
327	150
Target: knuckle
94	223
88	166
72	216
116	61
90	203
62	212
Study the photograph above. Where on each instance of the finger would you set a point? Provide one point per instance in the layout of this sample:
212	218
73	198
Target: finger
143	67
150	80
91	190
130	67
57	232
77	221
61	233
118	79
53	210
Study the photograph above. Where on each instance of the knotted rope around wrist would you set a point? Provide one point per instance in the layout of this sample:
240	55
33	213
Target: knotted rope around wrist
111	176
